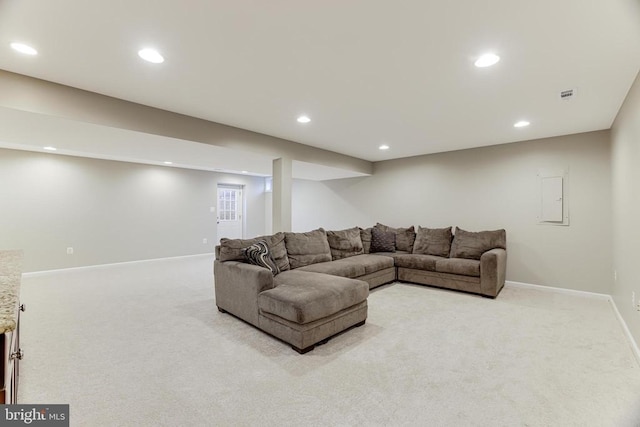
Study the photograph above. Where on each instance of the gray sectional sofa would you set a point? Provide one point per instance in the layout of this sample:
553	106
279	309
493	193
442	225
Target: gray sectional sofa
303	288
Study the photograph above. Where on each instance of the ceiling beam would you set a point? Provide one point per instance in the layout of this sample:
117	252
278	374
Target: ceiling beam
43	97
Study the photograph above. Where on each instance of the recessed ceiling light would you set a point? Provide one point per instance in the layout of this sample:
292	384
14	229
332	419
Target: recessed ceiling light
23	48
245	171
303	119
50	148
151	55
383	147
487	60
521	124
168	163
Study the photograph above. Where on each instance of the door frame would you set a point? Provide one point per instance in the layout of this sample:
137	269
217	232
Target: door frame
242	213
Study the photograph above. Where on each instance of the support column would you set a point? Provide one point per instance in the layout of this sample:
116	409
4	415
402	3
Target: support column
282	184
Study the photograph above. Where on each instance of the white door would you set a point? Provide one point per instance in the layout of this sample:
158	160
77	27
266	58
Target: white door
230	213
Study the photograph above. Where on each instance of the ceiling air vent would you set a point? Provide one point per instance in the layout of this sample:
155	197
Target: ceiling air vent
568	94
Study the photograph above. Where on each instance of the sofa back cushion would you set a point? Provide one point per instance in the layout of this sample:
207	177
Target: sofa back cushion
345	243
470	245
405	237
433	241
307	248
365	236
231	249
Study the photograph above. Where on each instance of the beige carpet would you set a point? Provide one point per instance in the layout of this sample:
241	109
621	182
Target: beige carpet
143	345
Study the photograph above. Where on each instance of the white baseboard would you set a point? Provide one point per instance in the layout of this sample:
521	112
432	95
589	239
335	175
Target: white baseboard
565	291
627	332
632	342
99	266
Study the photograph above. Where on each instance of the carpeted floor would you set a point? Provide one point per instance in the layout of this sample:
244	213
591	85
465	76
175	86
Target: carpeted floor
143	345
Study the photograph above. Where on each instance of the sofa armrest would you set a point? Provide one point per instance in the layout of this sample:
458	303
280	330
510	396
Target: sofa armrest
493	268
237	286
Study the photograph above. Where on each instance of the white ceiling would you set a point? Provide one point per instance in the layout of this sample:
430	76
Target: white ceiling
366	72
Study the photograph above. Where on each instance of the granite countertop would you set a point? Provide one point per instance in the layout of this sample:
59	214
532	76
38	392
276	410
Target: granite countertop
10	277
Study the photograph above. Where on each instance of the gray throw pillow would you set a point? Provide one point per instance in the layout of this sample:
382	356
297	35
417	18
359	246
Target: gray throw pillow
307	248
258	254
472	245
382	241
404	236
433	241
345	243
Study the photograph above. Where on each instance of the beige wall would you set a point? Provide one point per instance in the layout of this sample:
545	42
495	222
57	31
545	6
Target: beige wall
488	188
625	137
110	211
326	204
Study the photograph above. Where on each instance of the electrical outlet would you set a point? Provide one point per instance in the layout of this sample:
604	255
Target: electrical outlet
70	251
204	241
615	275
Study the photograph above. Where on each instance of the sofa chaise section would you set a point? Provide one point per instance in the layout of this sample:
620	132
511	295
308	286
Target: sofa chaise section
306	308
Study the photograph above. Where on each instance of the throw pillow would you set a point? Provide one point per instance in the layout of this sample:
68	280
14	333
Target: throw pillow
258	254
231	249
470	245
307	248
383	241
433	241
404	236
345	243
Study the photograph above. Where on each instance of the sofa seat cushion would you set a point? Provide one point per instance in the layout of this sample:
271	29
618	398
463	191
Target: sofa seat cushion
345	267
303	297
352	267
418	261
374	262
465	267
392	255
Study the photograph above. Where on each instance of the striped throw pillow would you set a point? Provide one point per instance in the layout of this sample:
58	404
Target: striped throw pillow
258	254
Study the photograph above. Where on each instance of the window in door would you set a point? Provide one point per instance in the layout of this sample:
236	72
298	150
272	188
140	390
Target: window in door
228	204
